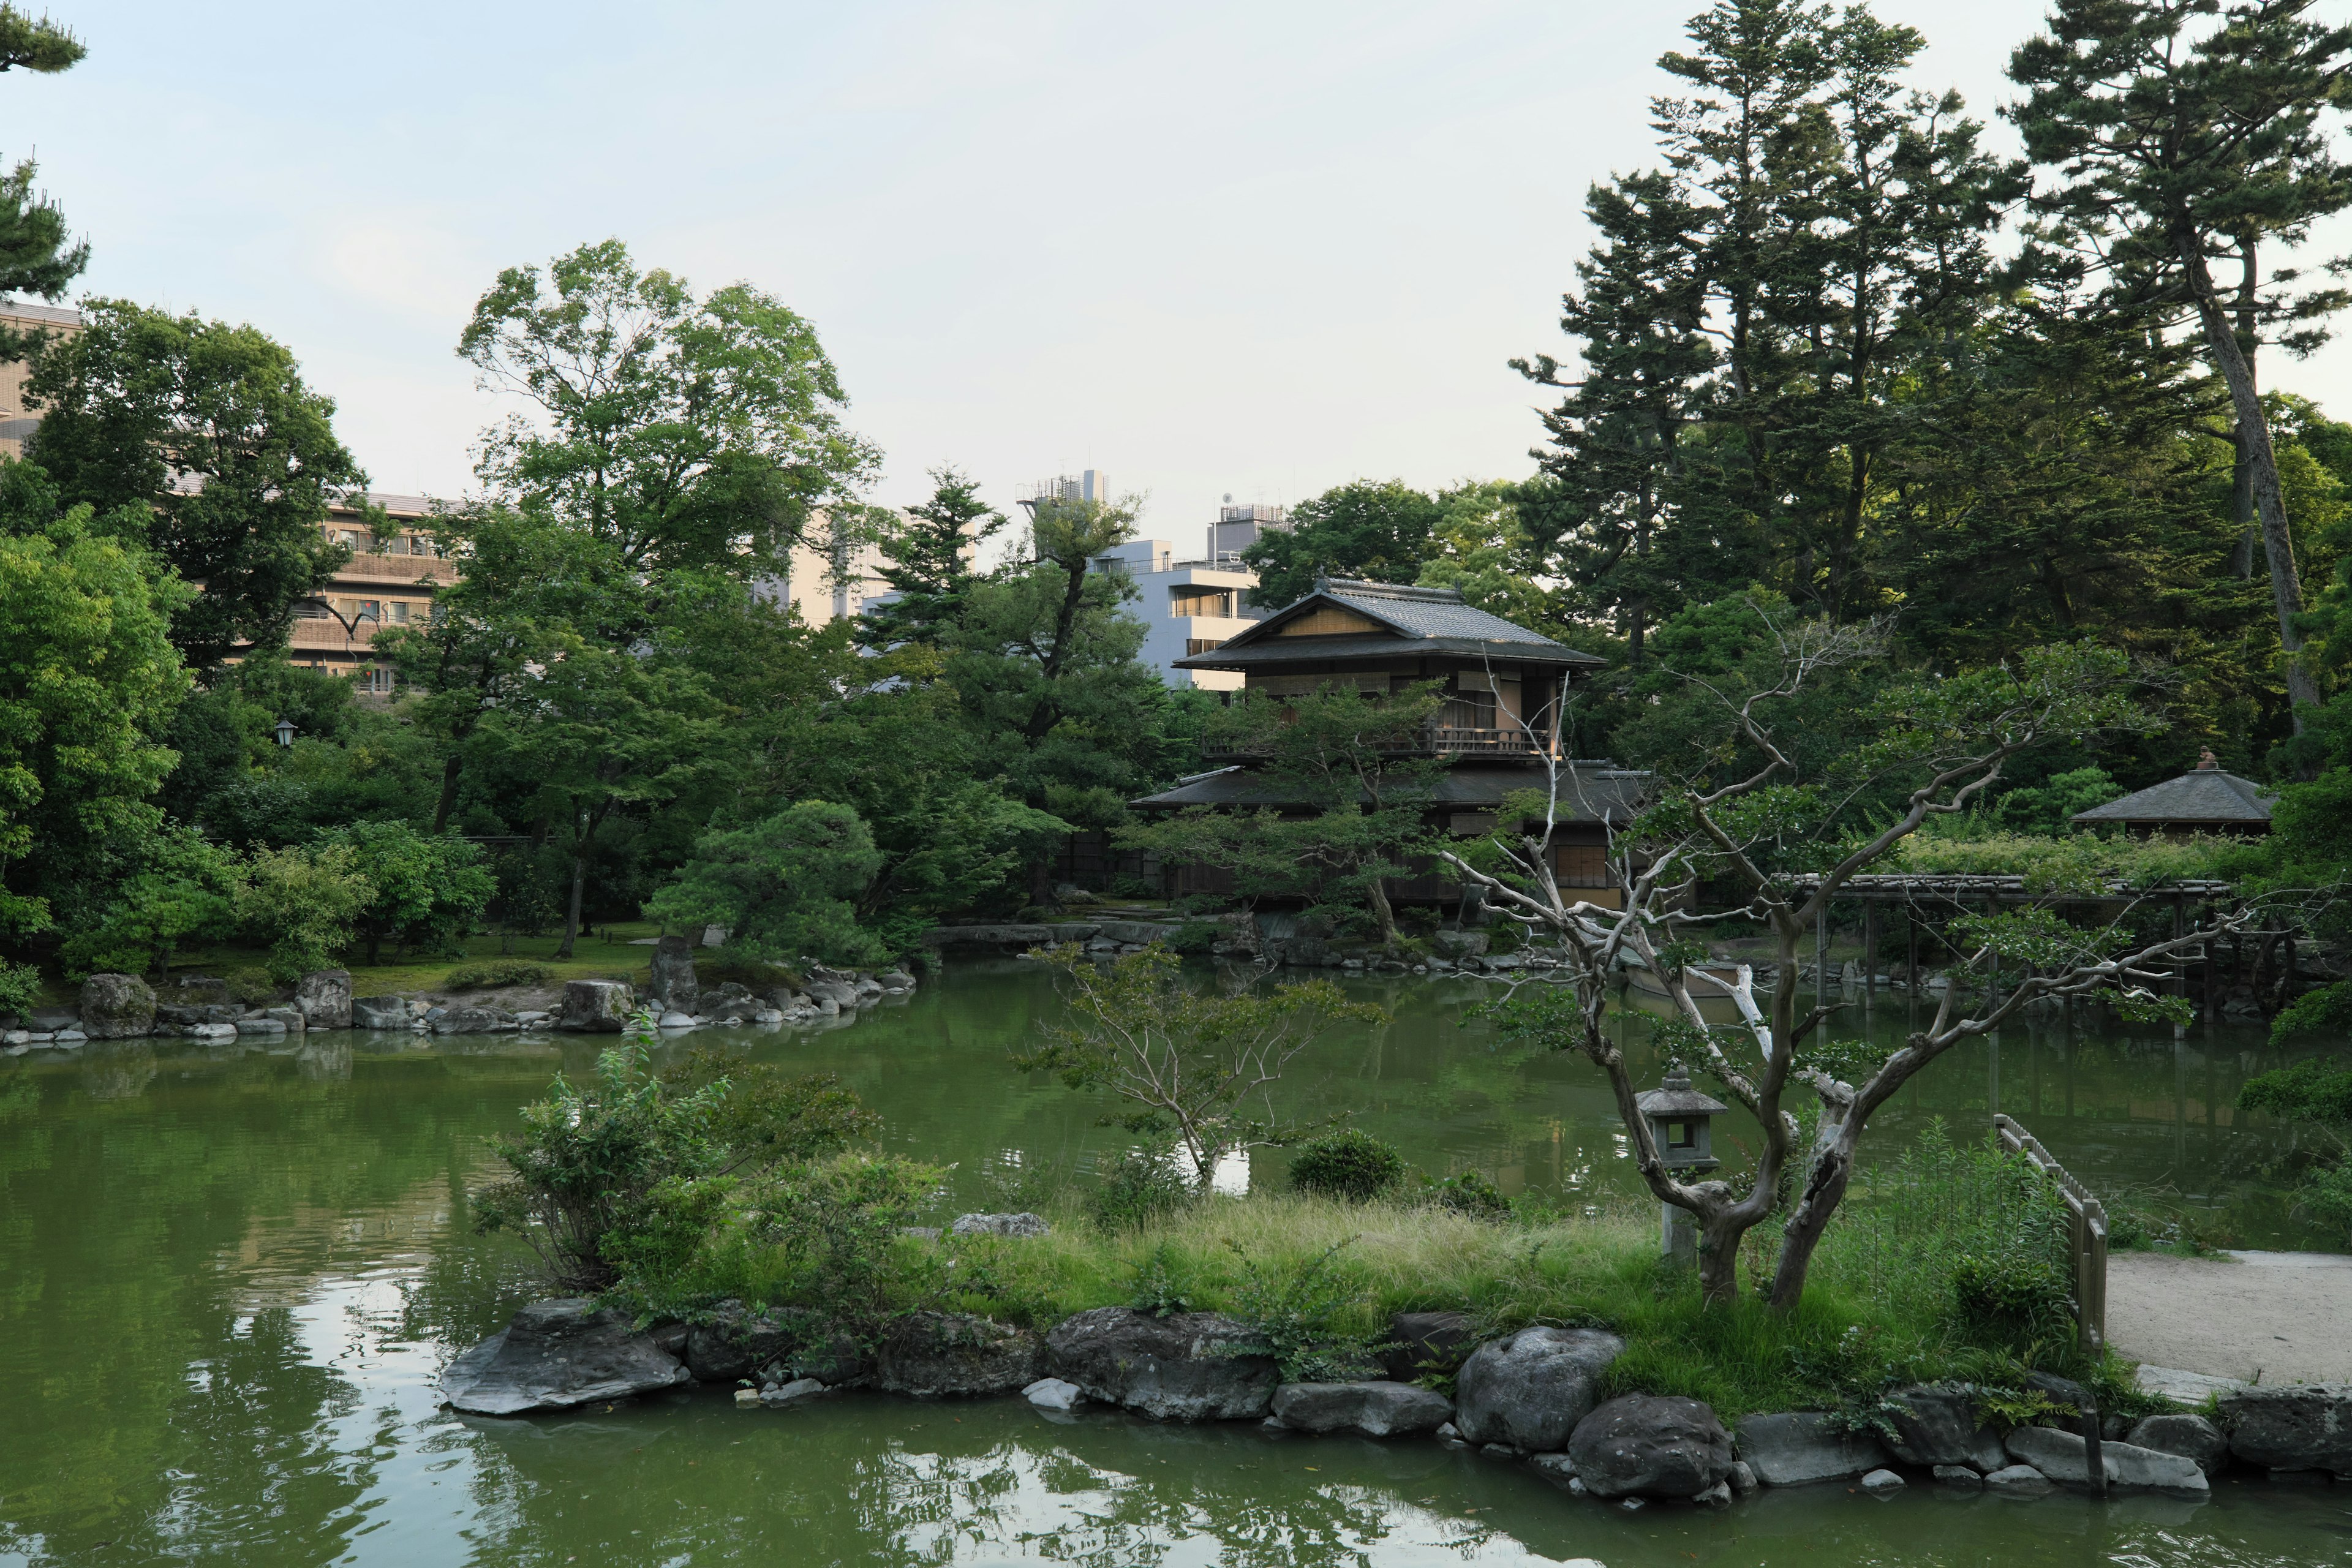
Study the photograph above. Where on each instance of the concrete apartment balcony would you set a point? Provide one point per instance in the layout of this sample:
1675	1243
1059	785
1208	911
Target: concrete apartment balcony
401	569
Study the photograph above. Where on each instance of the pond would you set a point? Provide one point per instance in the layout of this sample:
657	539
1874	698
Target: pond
229	1279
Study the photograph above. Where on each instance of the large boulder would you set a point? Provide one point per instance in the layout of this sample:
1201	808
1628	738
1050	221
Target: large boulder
2292	1428
1528	1392
1936	1423
735	1342
470	1021
188	1015
1647	1445
380	1013
555	1355
674	988
1793	1450
2192	1437
1419	1344
935	1355
324	996
1182	1367
117	1008
596	1006
2062	1456
842	993
1374	1409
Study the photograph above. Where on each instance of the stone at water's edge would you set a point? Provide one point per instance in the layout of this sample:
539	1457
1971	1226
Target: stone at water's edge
1000	1225
842	993
117	1008
1967	1477
1055	1393
555	1355
936	1355
1173	1368
1559	1469
734	1342
1422	1342
2301	1429
2192	1437
2061	1457
1882	1483
1645	1445
781	1394
380	1013
1937	1425
1374	1409
324	996
2018	1480
596	1006
1528	1391
674	988
1795	1449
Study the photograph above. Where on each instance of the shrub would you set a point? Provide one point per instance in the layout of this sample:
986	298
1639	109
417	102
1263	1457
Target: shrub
423	892
1349	1163
2327	1010
302	901
1162	1284
1196	936
2007	1298
20	986
251	984
1299	1316
2328	1197
1473	1193
1141	1186
2308	1092
499	972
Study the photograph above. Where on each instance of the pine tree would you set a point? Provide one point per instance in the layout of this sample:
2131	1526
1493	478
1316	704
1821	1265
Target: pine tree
928	561
2183	132
33	256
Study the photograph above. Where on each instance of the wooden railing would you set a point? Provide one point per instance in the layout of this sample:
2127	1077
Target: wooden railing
2086	1234
1437	739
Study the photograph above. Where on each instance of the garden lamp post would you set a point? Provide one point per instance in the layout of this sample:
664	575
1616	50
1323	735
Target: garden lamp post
284	731
1678	1117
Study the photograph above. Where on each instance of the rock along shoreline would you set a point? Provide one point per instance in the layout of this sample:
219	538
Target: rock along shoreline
1531	1397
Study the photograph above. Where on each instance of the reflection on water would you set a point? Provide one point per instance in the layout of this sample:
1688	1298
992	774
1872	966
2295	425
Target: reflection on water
229	1279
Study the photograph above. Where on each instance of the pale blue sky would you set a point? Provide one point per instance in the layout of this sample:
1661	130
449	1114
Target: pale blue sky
1250	247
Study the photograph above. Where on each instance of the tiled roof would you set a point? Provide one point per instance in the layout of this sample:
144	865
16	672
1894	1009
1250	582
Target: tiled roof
1427	612
2206	794
1419	620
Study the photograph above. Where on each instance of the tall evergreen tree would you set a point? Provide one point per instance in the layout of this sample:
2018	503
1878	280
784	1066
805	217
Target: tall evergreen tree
2183	134
929	559
35	258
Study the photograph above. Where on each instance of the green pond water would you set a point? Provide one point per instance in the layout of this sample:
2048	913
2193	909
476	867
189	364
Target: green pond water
229	1277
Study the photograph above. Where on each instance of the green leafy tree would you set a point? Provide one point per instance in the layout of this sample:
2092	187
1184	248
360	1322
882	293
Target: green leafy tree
786	888
2184	134
423	892
685	432
185	887
1200	1067
2050	807
88	682
1382	530
928	561
209	430
303	902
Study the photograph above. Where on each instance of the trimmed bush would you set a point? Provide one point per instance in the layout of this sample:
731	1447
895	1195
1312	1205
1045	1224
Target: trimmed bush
2007	1297
1349	1163
503	972
1473	1193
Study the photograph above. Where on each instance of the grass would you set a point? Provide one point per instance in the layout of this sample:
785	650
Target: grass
1875	1315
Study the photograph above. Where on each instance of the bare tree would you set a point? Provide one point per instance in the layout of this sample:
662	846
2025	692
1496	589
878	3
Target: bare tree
1944	742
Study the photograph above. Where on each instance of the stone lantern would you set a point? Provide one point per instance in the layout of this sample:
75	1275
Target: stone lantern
1679	1116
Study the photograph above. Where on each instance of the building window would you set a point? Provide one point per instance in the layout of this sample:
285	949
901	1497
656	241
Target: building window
1200	645
1467	711
1185	603
1581	866
399	612
369	610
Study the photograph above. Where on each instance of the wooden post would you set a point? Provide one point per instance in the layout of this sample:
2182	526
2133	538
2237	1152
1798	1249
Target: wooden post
1869	948
2087	1235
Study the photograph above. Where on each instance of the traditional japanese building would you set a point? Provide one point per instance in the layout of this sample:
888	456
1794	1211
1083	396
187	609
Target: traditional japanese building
2204	800
1504	687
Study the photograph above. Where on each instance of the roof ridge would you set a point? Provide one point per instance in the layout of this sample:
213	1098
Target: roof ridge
1366	587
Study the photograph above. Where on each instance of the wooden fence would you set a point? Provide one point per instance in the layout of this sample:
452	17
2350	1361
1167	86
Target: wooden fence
2087	1234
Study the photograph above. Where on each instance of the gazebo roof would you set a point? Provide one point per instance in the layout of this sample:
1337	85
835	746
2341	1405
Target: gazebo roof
2205	796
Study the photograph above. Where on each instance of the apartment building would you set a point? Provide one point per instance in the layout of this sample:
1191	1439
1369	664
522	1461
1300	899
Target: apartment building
387	582
16	421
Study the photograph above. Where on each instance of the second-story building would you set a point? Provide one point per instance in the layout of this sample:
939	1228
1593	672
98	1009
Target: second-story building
386	582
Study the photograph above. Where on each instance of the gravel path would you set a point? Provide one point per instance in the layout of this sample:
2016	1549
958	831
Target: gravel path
2281	1314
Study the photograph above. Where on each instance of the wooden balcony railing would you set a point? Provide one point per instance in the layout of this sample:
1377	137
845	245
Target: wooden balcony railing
1437	740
